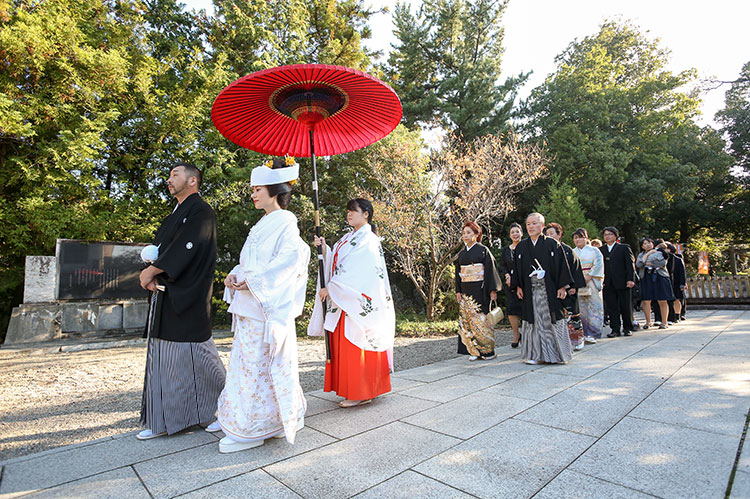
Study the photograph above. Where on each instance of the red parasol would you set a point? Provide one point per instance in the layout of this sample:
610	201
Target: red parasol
304	108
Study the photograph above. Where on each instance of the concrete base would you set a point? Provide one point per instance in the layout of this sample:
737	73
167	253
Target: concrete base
39	322
33	322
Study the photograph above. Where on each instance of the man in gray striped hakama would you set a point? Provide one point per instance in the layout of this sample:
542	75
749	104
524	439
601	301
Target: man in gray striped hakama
540	278
184	374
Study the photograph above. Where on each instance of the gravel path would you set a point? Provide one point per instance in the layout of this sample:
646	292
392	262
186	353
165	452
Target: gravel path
53	399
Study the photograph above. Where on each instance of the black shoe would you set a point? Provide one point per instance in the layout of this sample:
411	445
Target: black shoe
613	335
514	345
627	333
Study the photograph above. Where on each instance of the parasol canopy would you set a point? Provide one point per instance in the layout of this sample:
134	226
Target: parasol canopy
273	111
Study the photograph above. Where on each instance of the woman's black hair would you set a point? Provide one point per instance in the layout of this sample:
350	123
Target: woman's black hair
646	239
581	232
514	225
364	206
283	192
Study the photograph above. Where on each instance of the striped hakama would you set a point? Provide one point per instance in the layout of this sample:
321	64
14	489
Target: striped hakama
544	341
182	385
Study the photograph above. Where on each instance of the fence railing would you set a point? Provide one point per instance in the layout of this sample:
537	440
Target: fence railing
718	289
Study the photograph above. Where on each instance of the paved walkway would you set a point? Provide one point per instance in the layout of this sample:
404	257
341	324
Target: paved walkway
657	414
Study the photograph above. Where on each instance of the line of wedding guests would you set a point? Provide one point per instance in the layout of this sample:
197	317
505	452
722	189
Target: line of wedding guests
557	297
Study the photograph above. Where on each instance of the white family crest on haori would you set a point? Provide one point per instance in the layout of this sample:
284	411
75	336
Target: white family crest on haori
358	284
273	263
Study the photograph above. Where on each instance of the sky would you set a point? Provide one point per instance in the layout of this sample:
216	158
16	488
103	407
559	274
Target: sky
710	36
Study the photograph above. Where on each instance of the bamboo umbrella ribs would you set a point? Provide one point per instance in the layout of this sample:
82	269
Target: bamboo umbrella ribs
307	109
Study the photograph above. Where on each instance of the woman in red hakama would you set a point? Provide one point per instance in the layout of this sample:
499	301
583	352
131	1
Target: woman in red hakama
359	318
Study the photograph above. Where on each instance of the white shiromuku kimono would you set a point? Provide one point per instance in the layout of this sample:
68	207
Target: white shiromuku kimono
262	396
358	285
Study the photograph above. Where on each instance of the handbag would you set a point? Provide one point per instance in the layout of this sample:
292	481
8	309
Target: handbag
584	291
495	315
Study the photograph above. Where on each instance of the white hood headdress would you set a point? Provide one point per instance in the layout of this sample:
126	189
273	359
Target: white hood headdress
265	175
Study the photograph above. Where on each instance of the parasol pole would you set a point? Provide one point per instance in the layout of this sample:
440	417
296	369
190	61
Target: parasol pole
316	205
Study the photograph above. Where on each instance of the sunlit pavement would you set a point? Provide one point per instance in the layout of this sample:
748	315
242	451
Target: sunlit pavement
660	413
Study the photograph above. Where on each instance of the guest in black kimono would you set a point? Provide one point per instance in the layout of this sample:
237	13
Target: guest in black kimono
477	284
541	279
570	303
512	302
184	374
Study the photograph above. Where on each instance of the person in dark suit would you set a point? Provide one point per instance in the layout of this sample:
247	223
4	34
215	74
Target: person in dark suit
678	274
619	279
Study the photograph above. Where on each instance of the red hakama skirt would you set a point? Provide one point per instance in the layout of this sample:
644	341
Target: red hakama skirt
354	373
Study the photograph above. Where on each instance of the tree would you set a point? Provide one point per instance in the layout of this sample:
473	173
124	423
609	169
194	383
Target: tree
736	118
259	34
562	205
711	201
99	98
446	66
66	72
422	202
609	115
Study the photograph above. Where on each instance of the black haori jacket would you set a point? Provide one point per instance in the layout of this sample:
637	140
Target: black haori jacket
187	255
551	256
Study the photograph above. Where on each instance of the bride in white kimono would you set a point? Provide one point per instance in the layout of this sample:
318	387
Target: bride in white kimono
262	397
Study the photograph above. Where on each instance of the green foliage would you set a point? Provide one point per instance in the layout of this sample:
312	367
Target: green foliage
99	98
562	205
736	118
446	66
609	115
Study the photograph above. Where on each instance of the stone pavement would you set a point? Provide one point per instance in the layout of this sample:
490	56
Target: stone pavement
658	414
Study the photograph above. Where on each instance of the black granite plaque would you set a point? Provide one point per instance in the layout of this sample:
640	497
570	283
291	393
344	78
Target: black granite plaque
94	270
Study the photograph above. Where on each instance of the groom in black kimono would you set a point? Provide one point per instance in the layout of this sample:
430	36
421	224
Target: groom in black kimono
541	279
184	374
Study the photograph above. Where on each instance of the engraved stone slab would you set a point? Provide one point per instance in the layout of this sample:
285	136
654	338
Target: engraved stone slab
95	270
39	279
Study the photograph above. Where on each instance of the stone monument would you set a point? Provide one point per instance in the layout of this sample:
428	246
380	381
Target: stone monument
89	288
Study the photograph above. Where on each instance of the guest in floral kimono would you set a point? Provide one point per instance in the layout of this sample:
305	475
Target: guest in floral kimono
359	314
477	284
590	298
266	291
